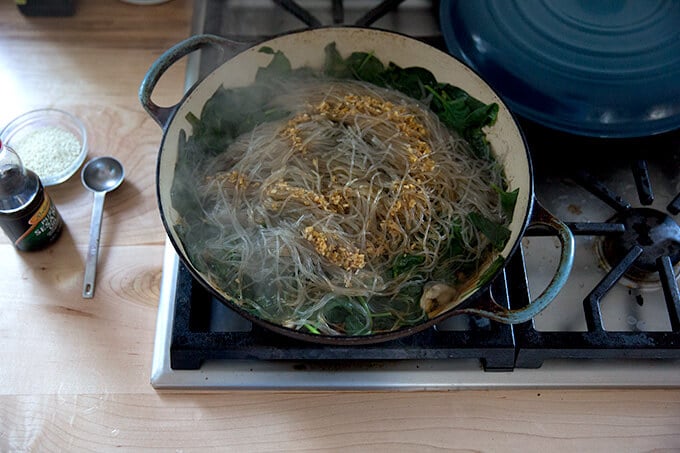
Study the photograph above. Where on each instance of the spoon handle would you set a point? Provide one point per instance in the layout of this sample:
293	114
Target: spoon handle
93	247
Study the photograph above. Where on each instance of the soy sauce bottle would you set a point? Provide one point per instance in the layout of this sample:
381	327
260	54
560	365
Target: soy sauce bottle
27	214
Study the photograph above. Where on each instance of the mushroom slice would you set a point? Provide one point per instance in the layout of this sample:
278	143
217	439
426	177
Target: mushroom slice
437	298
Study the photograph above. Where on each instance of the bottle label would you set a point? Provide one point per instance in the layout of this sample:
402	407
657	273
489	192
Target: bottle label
43	226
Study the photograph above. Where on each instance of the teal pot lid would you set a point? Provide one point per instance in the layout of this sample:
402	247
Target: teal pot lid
604	68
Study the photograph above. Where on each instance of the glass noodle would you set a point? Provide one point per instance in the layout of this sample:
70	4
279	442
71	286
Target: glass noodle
346	209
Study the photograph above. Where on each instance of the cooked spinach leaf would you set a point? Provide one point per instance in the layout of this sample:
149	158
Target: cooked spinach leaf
279	66
496	233
230	113
466	115
508	200
334	65
348	314
413	81
456	243
405	262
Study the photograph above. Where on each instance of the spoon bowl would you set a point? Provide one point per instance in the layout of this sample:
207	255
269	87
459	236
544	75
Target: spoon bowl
100	176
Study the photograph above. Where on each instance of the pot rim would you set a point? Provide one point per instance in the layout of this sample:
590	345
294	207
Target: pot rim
463	306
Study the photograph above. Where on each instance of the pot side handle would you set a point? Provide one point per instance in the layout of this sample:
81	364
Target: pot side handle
162	114
541	218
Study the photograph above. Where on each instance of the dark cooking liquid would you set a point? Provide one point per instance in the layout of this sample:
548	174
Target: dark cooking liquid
27	214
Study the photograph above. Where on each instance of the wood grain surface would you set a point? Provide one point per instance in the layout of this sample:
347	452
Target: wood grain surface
74	373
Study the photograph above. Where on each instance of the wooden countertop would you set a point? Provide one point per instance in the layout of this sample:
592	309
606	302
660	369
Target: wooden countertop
75	372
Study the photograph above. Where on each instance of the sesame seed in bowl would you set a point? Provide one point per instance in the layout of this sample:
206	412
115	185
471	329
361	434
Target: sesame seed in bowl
51	142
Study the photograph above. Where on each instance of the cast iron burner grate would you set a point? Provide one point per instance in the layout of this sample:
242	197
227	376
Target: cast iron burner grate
645	242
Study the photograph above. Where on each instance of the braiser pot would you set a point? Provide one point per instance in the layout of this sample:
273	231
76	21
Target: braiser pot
305	48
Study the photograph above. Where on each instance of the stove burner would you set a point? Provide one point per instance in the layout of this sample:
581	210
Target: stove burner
655	232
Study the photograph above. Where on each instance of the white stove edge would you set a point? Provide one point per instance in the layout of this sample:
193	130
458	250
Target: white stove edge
425	375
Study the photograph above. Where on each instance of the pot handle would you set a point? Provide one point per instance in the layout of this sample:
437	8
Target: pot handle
540	217
167	59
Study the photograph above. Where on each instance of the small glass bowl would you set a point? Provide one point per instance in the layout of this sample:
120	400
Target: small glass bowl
30	122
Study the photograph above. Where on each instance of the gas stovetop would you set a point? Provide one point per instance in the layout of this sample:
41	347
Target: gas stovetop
615	323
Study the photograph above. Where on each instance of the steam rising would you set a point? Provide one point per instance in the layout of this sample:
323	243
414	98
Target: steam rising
335	217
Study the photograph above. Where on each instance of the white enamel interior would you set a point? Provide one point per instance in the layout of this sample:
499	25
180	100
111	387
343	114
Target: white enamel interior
307	49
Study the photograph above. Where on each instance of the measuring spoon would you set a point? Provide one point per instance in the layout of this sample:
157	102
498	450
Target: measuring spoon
100	175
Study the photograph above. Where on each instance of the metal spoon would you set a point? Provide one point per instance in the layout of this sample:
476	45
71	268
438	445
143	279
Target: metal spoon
100	175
